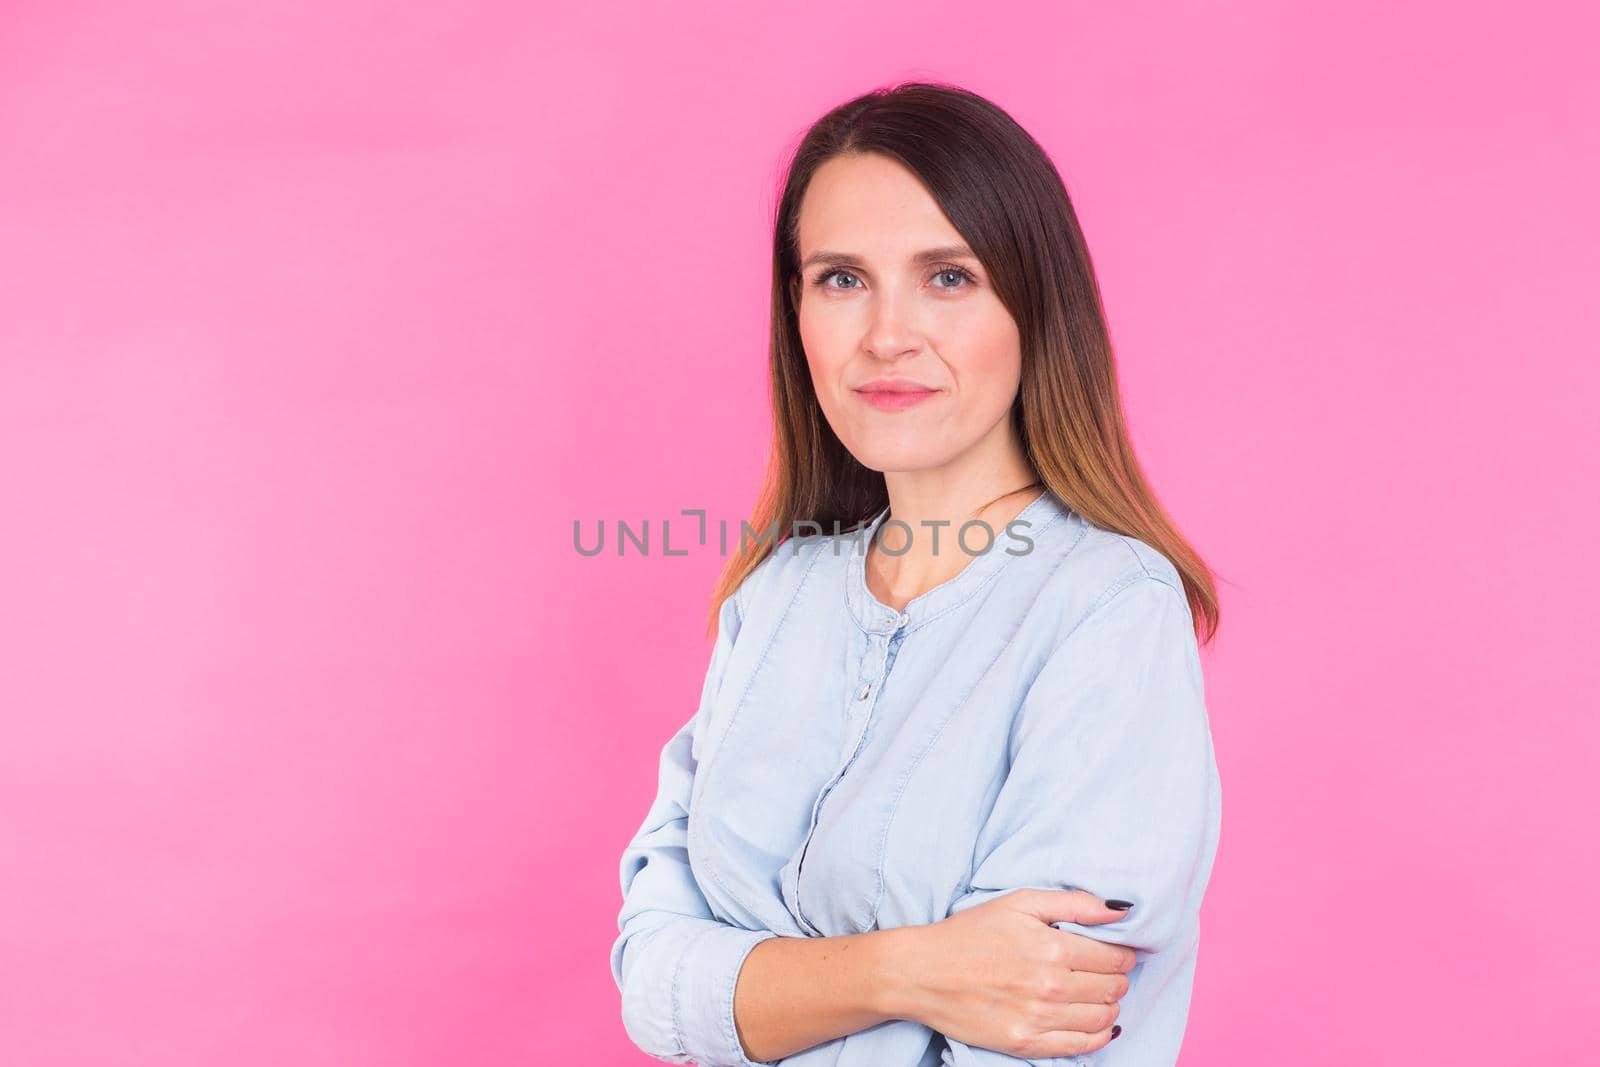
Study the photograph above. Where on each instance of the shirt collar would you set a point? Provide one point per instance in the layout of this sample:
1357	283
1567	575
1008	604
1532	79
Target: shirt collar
876	617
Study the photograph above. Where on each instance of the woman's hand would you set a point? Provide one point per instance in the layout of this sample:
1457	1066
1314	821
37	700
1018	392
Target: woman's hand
997	975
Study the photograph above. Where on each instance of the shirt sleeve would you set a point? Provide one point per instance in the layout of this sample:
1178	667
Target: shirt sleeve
1113	789
673	961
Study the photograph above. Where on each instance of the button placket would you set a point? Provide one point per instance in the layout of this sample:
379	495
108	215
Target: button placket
860	708
871	680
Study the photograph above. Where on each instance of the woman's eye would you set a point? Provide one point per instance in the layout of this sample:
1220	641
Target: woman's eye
823	281
959	276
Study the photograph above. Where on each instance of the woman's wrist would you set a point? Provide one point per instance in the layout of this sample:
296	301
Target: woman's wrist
899	961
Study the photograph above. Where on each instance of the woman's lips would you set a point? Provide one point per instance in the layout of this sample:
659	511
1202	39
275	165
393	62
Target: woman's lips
885	400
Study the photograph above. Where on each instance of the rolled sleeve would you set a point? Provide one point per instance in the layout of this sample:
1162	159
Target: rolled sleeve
674	962
704	993
1113	789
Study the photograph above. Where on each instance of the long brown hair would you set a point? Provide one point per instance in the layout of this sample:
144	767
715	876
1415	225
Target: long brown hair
1004	196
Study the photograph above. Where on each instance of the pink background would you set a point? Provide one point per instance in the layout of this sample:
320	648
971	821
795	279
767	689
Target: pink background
319	327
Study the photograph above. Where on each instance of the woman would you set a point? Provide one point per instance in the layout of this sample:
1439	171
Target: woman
949	796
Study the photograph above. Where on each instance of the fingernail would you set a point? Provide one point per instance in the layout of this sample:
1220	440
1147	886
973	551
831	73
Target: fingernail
1119	905
1116	1031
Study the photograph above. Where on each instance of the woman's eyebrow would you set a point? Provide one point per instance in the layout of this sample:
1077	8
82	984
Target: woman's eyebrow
928	255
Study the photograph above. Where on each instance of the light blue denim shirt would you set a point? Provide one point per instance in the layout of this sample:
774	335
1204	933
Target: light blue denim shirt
1038	721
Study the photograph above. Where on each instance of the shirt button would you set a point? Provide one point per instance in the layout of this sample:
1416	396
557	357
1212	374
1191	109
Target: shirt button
865	690
903	619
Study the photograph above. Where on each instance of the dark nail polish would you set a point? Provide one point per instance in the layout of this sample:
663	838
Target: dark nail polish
1116	1031
1119	905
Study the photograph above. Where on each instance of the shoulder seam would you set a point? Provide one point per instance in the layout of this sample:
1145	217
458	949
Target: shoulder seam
1111	591
1134	552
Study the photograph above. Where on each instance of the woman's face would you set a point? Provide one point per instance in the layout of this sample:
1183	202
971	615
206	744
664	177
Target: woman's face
875	307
